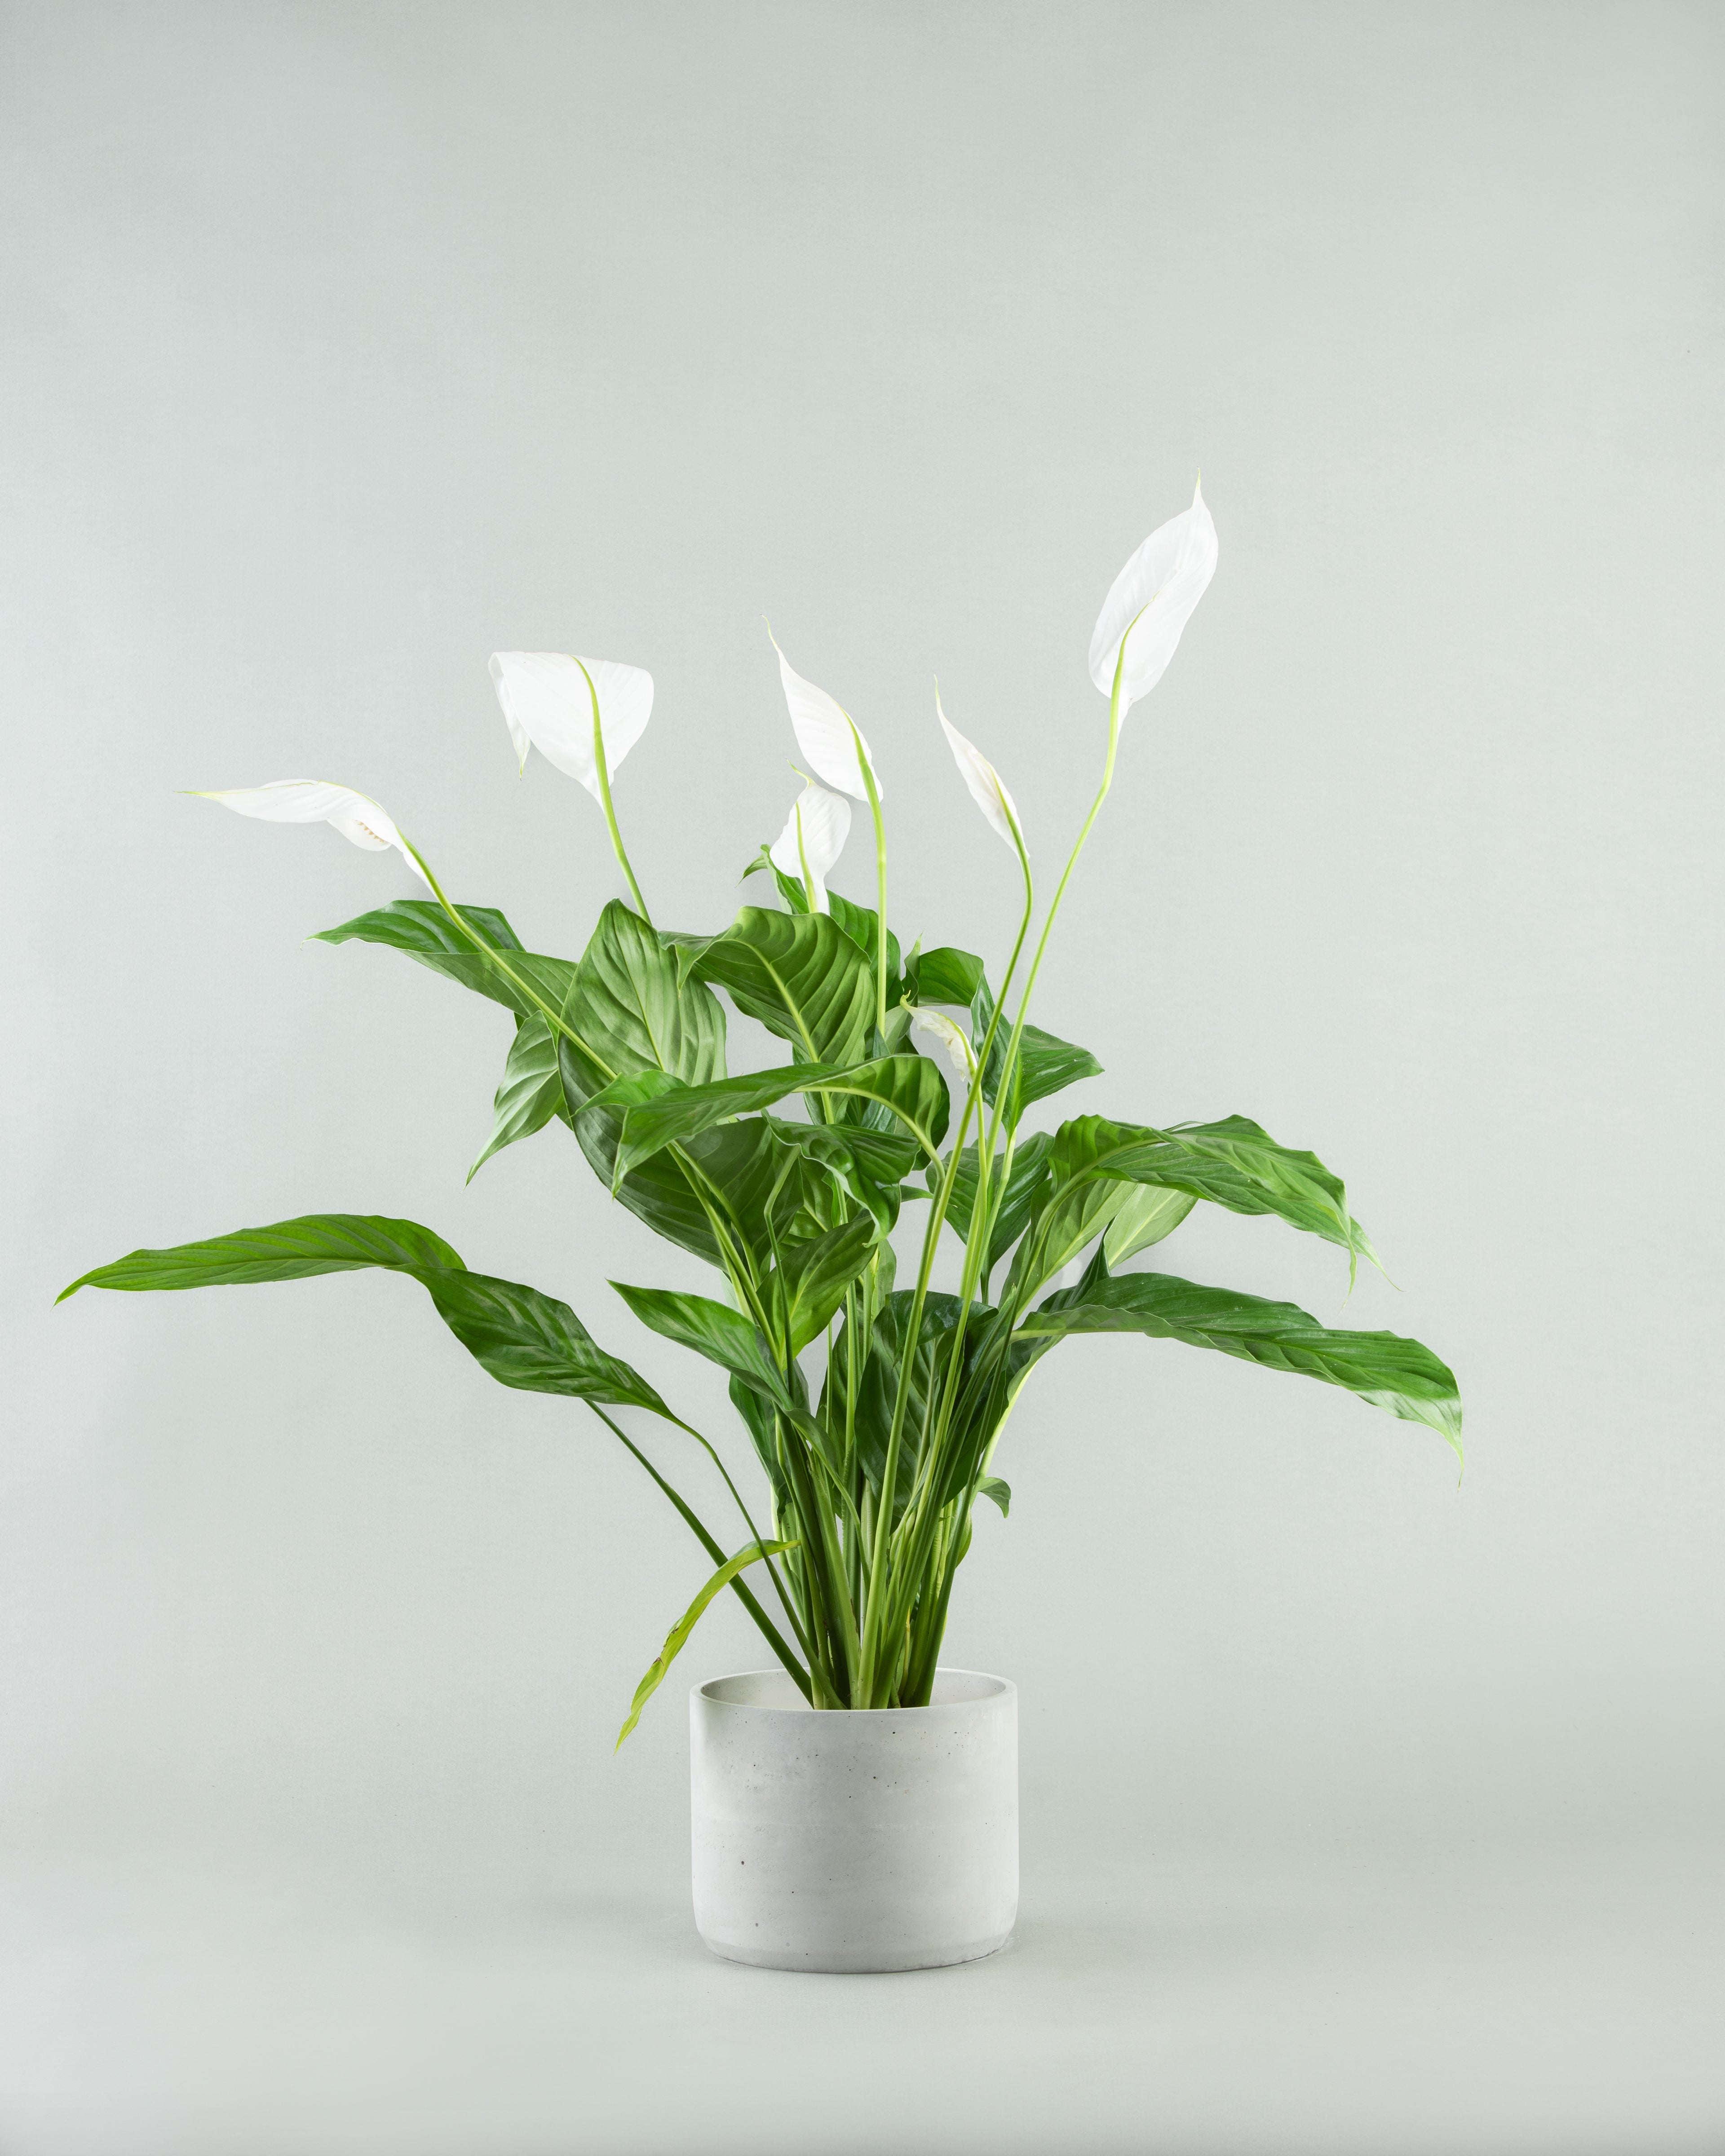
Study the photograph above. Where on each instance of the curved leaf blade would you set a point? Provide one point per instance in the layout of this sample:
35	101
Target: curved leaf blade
1233	1164
799	975
286	1250
517	1335
1402	1376
678	1636
529	1092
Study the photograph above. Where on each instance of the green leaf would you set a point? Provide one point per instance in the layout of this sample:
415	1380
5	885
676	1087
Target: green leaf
800	976
1026	1188
911	1087
533	1343
531	1092
991	1486
812	1277
713	1329
1233	1164
627	1005
686	1622
1147	1216
520	1336
422	929
286	1250
1382	1369
947	976
1045	1064
883	1372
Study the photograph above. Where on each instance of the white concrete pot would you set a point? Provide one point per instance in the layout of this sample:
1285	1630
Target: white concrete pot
886	1839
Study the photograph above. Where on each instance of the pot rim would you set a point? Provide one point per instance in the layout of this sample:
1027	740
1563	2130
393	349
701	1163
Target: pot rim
999	1688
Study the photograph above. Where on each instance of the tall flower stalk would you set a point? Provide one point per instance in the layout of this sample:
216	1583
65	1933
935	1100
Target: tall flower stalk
873	1412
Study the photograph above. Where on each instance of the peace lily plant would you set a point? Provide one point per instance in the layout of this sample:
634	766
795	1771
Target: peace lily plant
875	1409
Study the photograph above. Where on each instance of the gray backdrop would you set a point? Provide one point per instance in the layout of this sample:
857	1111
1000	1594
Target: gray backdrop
347	344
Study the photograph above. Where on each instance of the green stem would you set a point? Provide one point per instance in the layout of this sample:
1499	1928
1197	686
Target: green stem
774	1638
604	779
874	794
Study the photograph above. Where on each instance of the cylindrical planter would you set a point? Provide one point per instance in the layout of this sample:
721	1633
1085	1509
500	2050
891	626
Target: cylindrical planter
880	1840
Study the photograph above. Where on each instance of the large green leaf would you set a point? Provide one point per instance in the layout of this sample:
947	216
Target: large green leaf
1233	1164
629	1007
531	1092
521	1337
425	931
723	1335
909	1086
1382	1369
286	1250
685	1624
858	922
800	976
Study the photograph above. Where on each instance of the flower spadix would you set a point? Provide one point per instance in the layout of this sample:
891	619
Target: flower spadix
1151	602
356	816
548	697
827	735
987	788
813	838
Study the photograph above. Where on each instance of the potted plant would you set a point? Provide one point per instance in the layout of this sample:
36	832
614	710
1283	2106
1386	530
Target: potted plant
856	1806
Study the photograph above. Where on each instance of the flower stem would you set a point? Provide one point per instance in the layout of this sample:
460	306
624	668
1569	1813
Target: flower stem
605	778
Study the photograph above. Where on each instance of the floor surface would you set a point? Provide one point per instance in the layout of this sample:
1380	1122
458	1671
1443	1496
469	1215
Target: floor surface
1575	2007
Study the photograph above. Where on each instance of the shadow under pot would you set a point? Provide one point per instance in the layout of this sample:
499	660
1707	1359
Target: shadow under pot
847	1842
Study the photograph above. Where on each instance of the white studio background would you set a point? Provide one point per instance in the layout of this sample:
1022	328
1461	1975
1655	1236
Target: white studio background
345	345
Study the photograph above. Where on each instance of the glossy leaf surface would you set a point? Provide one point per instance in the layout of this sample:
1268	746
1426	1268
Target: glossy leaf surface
686	1622
1400	1376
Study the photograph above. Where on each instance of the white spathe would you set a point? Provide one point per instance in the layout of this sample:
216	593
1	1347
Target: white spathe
1151	602
814	833
827	735
356	816
548	704
945	1035
987	788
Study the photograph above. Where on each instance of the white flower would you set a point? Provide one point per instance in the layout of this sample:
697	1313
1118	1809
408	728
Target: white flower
548	696
1151	602
986	789
945	1035
315	801
827	735
813	838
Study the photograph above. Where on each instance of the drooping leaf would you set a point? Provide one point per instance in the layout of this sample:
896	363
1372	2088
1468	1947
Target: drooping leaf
520	1336
713	1329
286	1250
1400	1376
419	927
685	1624
909	1087
530	1093
1233	1163
800	976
